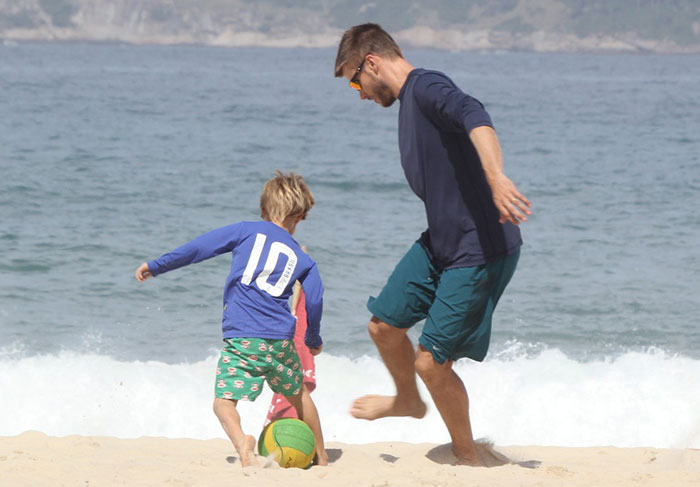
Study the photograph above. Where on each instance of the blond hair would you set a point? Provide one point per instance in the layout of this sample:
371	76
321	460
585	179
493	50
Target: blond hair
284	196
363	39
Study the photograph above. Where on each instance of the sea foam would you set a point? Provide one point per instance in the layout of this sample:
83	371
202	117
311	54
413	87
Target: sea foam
635	399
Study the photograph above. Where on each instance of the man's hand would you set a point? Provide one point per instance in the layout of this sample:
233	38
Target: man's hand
315	350
143	273
511	203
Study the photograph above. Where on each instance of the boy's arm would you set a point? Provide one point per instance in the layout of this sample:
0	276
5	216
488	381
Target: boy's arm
313	292
201	248
143	273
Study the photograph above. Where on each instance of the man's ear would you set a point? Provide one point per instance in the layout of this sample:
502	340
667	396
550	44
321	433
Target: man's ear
372	62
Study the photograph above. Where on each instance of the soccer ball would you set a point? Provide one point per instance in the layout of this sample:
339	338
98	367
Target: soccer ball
289	442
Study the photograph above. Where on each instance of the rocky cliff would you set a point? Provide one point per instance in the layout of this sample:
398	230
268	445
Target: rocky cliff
669	26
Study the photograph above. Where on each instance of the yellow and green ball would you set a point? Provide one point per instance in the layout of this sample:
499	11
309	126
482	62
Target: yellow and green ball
289	441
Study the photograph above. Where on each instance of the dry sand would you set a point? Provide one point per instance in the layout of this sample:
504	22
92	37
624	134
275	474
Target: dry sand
34	459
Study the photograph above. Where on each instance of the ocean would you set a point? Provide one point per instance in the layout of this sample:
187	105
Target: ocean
113	154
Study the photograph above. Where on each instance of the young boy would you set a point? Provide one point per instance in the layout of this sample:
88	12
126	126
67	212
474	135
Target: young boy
257	325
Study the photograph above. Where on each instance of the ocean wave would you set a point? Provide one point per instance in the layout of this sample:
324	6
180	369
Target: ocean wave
517	398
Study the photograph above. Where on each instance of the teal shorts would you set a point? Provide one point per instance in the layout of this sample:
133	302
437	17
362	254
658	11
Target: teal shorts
457	304
245	363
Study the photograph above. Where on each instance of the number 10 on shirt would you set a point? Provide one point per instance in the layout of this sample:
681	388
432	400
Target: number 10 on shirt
276	249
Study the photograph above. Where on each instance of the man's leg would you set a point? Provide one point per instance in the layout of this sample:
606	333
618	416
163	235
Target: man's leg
450	397
225	410
398	355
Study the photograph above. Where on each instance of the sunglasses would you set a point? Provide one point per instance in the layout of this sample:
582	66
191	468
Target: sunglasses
355	81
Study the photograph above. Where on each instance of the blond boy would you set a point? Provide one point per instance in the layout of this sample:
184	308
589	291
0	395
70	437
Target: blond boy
258	328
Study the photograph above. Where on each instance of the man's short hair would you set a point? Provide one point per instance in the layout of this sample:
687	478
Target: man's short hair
363	39
285	195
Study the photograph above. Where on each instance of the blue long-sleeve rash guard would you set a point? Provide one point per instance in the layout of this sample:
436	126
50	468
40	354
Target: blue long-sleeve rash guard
266	262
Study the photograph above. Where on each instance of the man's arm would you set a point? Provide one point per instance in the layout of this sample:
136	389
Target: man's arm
448	107
511	203
453	110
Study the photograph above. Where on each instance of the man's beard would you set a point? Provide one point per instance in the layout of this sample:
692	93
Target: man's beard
384	95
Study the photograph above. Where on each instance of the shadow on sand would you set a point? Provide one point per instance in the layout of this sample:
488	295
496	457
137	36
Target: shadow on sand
443	455
334	455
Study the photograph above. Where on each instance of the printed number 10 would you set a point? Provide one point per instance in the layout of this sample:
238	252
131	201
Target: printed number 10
276	249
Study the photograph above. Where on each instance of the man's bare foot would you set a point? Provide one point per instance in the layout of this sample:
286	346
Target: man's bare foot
248	458
375	407
470	460
469	455
482	455
488	454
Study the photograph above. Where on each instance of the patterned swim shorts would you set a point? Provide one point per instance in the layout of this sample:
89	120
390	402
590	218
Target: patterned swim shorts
245	363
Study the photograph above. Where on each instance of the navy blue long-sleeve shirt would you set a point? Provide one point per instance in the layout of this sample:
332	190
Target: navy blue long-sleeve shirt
444	170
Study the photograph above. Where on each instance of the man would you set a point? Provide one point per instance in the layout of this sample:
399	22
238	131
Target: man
455	273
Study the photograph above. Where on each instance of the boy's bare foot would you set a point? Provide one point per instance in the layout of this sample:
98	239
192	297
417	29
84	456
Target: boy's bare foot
248	458
321	457
374	407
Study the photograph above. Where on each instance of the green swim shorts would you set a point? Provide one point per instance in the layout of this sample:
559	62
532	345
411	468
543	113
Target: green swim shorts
245	363
457	304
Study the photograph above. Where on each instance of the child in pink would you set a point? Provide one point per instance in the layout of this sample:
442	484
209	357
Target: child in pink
279	406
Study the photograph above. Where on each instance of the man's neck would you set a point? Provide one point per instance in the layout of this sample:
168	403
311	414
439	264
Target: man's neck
397	73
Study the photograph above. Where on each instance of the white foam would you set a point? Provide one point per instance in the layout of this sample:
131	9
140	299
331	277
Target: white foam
636	399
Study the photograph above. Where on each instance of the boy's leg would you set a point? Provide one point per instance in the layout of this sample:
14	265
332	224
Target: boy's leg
307	412
398	355
225	410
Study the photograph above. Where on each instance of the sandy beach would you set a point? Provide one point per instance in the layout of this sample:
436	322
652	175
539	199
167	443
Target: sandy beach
33	458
